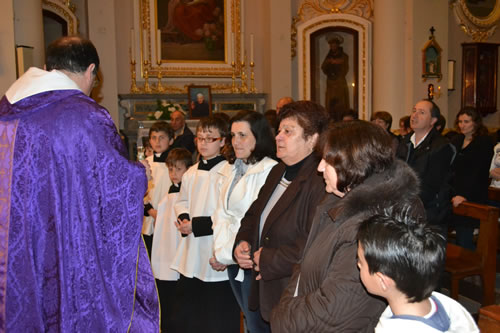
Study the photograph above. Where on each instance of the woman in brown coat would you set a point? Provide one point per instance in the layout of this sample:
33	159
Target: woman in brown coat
325	293
275	228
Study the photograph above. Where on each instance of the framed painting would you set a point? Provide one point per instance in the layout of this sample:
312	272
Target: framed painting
431	60
190	38
199	101
334	69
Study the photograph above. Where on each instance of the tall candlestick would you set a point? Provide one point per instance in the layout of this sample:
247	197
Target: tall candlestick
132	45
251	48
145	44
158	46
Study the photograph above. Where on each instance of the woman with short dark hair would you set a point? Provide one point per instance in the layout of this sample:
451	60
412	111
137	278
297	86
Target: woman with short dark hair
325	293
274	230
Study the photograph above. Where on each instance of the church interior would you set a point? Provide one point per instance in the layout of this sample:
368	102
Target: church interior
247	54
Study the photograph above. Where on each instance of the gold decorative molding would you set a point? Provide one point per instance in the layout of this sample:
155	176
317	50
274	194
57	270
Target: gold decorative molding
363	56
478	28
66	10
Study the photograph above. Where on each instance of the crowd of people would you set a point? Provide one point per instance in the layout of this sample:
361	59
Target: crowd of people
300	223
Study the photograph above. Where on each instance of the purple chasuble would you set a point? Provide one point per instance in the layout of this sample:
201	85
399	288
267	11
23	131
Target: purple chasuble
71	254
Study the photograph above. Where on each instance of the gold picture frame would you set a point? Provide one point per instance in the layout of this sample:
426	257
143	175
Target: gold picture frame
156	30
477	19
431	60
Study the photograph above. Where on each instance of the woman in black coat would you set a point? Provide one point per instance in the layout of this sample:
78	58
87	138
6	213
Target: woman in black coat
470	170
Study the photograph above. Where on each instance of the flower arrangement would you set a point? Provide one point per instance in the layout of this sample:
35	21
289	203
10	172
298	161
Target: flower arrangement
163	110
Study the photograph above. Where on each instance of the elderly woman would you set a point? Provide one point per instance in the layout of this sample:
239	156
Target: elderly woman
275	228
470	170
362	178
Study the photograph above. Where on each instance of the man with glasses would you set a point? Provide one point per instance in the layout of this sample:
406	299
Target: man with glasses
71	258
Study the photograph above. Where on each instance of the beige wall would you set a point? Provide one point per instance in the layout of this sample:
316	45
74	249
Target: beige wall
401	29
28	27
102	32
7	46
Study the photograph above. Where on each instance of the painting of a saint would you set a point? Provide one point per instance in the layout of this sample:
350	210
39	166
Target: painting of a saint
191	30
335	67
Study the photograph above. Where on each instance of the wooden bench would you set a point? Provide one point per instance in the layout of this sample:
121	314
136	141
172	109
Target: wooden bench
461	262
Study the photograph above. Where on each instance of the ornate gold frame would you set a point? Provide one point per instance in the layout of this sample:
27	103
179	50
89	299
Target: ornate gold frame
180	69
426	72
478	28
64	9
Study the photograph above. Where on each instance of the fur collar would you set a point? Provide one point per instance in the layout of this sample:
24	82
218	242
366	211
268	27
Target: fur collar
398	184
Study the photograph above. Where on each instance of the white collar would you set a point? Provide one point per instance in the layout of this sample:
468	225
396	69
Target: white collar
412	139
36	81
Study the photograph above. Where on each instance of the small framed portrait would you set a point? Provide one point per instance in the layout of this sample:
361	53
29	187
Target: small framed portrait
199	101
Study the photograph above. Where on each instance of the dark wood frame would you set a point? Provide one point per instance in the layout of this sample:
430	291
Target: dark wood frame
207	93
314	64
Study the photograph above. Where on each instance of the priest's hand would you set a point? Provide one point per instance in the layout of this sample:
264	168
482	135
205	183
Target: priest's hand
495	173
242	255
457	200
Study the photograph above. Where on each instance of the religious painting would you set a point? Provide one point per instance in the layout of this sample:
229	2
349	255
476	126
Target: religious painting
199	101
189	38
191	30
334	69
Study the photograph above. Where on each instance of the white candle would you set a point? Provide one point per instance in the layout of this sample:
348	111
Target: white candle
145	44
158	46
451	76
233	48
242	29
251	48
132	45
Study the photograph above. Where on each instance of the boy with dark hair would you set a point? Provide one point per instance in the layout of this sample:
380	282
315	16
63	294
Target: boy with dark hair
204	299
161	137
400	259
167	238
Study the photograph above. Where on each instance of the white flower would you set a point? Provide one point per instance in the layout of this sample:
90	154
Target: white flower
164	103
158	114
177	106
171	109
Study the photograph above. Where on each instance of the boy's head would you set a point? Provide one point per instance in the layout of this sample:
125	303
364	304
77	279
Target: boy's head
211	134
161	136
397	249
178	161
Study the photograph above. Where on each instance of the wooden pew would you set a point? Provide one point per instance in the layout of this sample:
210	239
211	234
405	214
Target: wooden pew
461	262
489	319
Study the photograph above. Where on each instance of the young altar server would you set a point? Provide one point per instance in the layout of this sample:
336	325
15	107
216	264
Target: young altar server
161	137
166	237
204	301
401	259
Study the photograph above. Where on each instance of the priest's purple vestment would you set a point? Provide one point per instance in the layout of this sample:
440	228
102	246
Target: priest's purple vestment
71	254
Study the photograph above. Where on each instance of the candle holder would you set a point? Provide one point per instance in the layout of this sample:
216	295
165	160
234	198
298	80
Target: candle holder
243	87
159	87
133	85
234	89
147	88
252	78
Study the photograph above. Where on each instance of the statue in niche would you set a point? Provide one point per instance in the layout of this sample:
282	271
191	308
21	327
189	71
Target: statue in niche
335	67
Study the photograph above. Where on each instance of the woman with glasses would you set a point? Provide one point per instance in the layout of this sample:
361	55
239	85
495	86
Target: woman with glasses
274	230
250	159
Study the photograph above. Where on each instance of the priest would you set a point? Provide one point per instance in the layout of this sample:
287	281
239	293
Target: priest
71	254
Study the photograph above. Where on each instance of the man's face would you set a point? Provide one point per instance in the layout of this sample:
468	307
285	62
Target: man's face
421	119
200	98
334	46
177	120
